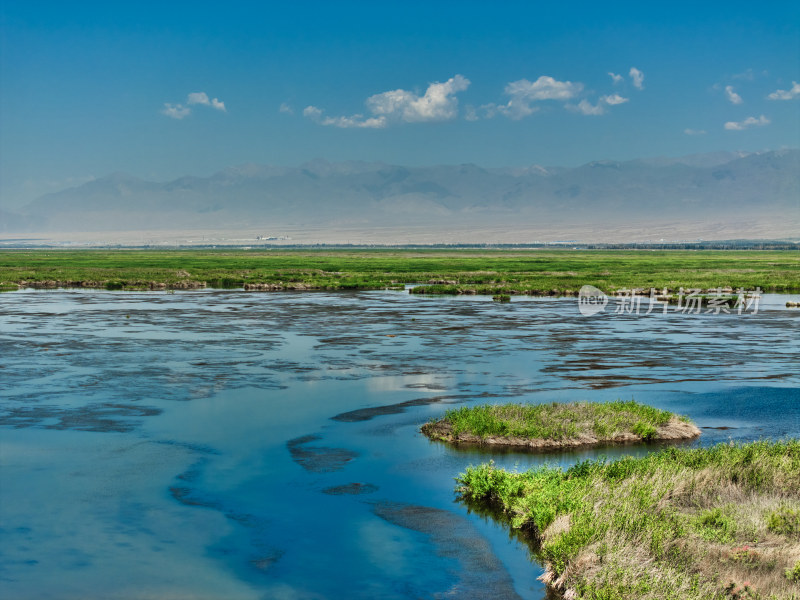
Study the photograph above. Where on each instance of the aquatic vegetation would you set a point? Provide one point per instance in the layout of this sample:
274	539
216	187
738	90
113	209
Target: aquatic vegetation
464	271
559	424
707	523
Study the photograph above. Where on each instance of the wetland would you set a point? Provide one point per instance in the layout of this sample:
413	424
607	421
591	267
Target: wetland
216	443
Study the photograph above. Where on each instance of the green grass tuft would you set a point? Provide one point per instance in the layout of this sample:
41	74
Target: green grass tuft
784	521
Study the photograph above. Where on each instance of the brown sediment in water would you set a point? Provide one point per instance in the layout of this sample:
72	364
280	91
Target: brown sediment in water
318	459
352	489
675	429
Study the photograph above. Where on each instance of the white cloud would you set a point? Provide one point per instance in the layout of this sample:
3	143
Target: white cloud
179	111
615	78
544	88
358	121
732	96
470	114
514	109
587	108
355	121
312	112
747	123
176	111
694	131
438	103
523	93
637	77
613	99
198	98
789	94
286	109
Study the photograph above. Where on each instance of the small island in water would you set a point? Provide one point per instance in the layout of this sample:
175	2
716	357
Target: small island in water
559	425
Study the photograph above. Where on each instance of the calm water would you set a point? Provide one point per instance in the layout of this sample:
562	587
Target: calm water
234	445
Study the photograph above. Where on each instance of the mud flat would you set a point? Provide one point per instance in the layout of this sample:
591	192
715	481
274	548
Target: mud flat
559	425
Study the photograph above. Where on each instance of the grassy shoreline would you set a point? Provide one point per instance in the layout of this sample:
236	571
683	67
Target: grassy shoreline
492	272
717	523
558	425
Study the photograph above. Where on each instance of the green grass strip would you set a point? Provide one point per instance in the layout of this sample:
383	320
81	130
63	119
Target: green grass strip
494	272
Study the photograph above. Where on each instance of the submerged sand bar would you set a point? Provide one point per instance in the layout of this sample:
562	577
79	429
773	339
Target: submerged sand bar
559	425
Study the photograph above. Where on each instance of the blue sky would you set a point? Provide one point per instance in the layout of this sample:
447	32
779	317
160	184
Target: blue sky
164	89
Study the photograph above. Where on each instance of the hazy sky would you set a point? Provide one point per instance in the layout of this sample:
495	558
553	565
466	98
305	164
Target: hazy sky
163	89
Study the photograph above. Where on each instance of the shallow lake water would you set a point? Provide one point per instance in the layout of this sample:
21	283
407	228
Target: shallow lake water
223	444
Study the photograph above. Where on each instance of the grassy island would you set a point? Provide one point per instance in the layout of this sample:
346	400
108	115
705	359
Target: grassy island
717	523
559	425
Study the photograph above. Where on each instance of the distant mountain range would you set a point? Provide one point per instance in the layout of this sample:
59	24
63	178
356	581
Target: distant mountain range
727	189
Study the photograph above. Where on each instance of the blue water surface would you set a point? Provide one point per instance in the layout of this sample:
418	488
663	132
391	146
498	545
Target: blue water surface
223	444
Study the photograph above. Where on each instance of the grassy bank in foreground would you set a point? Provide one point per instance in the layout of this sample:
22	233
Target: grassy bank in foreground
559	425
494	272
698	524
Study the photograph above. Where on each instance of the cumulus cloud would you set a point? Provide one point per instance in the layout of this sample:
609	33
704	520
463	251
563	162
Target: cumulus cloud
615	78
587	108
747	123
637	77
202	99
789	94
176	111
438	103
524	93
694	131
286	109
732	96
179	111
